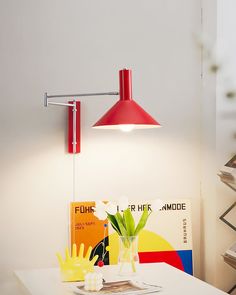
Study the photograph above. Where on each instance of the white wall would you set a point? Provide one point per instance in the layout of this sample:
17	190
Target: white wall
208	139
78	46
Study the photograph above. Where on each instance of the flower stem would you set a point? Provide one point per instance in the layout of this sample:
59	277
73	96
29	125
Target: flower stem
127	256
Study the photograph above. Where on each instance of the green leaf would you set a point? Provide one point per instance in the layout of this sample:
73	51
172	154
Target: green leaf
119	218
120	222
117	231
142	221
114	223
129	222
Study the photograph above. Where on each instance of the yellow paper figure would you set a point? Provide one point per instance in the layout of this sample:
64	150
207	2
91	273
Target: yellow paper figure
74	268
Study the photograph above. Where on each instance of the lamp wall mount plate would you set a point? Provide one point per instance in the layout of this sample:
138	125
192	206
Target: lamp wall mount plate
125	115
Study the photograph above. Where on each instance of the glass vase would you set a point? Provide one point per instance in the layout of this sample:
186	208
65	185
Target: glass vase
128	259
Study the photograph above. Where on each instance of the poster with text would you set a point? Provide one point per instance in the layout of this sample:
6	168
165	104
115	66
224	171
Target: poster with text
167	236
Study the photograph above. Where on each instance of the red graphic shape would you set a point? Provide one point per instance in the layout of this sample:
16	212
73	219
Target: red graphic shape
170	257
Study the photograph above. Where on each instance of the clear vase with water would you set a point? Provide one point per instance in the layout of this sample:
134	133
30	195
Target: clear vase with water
128	259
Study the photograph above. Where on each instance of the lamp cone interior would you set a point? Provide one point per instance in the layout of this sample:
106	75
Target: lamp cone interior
126	112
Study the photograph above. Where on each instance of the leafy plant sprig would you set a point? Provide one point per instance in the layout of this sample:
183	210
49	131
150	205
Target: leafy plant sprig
123	222
125	225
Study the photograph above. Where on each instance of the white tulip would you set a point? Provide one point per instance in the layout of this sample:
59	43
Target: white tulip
111	208
100	205
100	210
123	203
157	204
100	214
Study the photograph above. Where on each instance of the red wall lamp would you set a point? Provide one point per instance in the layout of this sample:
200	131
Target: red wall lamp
125	115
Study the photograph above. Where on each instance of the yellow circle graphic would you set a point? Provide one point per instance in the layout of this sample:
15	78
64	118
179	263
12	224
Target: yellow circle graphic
147	242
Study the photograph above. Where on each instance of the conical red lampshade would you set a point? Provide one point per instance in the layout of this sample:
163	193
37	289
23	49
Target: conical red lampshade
126	114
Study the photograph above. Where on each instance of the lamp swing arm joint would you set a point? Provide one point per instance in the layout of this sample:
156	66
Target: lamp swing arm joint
47	102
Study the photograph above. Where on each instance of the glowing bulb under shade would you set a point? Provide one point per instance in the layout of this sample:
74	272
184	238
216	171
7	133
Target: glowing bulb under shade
126	128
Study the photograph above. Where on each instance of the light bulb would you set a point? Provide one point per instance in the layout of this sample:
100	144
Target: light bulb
126	128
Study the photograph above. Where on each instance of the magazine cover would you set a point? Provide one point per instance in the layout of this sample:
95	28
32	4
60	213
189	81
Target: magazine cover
121	287
167	236
88	229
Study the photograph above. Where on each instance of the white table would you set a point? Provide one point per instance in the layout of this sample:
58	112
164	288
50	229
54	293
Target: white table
172	280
